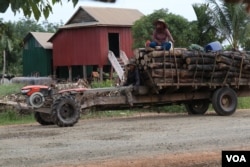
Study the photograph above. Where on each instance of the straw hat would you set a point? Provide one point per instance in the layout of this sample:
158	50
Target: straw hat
161	21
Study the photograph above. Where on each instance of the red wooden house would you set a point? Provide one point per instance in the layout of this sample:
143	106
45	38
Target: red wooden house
84	42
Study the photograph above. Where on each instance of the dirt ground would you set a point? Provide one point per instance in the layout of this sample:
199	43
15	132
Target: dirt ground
145	140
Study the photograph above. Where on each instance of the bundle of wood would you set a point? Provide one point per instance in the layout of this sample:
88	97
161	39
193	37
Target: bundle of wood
81	83
182	67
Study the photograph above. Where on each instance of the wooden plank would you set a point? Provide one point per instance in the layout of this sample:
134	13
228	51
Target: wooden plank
156	99
116	65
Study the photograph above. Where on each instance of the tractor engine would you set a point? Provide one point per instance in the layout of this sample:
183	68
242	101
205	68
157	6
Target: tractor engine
38	95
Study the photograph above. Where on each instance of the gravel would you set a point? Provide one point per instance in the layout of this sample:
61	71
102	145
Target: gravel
148	139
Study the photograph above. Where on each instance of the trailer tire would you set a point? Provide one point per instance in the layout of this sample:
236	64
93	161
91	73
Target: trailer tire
43	118
197	107
224	101
65	111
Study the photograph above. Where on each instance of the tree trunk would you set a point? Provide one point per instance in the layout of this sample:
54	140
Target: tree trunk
4	66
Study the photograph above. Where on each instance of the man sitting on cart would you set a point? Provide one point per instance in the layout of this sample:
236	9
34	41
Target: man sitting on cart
133	77
132	80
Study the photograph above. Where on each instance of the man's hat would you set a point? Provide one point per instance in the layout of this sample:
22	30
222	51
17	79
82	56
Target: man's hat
161	21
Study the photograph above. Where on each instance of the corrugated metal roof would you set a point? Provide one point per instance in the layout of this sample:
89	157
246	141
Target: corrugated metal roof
42	38
105	16
100	16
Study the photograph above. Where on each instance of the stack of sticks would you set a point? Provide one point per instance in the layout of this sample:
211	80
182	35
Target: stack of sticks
180	66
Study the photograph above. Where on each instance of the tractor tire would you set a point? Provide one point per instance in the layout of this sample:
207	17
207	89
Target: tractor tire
36	100
65	111
43	118
197	107
224	101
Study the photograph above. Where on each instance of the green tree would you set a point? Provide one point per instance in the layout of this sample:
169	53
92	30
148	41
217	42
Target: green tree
143	28
246	44
230	20
18	31
204	31
6	43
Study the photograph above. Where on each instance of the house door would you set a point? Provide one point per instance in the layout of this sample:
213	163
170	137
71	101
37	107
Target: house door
114	44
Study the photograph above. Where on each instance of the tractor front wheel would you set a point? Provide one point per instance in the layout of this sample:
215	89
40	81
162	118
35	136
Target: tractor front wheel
65	111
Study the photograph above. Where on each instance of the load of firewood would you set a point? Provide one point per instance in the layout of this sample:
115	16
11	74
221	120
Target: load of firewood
181	67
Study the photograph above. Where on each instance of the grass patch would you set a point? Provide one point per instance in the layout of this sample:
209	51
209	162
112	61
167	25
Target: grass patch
243	102
13	117
173	109
7	89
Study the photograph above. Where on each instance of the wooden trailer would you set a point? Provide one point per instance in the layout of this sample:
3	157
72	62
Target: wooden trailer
195	79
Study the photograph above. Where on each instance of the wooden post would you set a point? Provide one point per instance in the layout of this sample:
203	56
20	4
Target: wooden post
84	68
111	73
70	73
101	72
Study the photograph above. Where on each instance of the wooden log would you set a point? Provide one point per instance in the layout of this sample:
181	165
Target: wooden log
223	66
142	62
136	53
223	74
204	67
229	54
191	74
240	81
229	61
246	67
192	80
234	54
161	65
173	81
166	53
161	73
162	80
199	60
171	59
199	54
212	67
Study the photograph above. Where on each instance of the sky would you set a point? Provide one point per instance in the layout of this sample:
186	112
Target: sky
62	13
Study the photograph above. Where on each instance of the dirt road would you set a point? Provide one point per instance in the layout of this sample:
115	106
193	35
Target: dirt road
145	140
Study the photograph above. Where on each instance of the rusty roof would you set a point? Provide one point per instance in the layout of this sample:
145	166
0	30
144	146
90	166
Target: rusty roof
42	38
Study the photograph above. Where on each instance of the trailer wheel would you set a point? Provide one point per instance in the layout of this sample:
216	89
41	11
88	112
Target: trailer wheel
197	107
65	111
224	101
43	118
